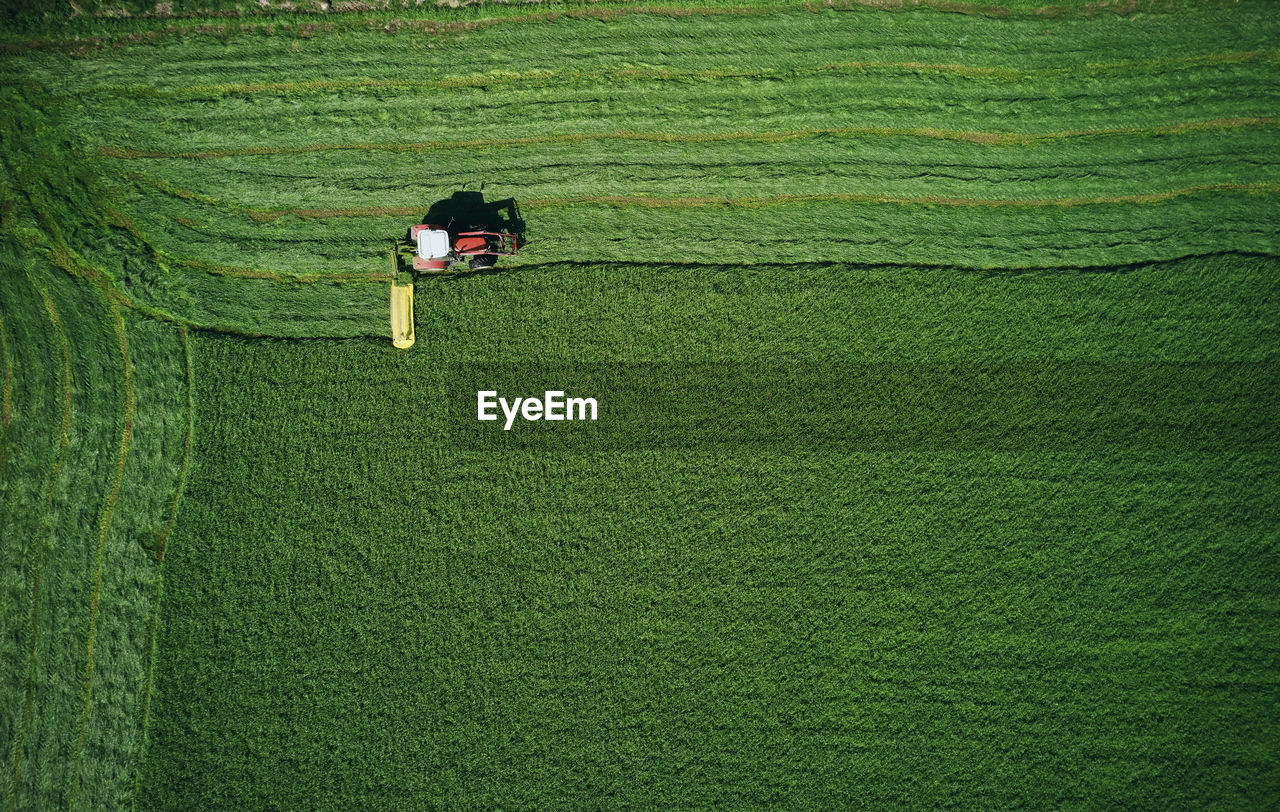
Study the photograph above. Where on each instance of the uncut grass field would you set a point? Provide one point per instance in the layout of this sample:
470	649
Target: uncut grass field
938	353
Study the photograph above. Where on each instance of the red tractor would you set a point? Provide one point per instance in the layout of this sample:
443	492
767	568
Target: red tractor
437	248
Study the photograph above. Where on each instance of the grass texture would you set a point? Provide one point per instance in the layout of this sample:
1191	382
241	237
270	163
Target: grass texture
343	618
744	624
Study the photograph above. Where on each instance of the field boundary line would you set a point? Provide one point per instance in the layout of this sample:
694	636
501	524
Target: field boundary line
104	524
161	544
480	80
46	524
976	137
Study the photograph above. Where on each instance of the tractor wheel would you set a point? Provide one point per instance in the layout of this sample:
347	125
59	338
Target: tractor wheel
482	261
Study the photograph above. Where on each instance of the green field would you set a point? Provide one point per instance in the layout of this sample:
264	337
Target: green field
941	346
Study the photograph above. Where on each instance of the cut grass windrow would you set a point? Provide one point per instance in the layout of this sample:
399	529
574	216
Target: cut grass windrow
662	74
64	257
991	138
45	527
82	45
775	200
771	200
103	525
161	543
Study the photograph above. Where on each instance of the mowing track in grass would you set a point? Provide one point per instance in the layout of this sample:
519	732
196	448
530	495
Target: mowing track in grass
103	524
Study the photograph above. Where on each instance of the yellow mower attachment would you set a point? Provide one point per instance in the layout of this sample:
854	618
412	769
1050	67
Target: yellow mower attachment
402	315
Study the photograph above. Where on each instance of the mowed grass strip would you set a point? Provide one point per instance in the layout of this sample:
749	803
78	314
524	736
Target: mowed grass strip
131	574
103	525
662	74
6	401
105	487
994	138
803	42
57	399
815	231
775	200
897	166
707	75
161	543
513	22
80	493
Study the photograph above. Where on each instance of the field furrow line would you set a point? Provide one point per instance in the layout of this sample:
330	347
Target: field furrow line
46	525
990	138
104	524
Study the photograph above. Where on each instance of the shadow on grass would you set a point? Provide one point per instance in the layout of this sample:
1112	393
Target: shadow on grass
469	211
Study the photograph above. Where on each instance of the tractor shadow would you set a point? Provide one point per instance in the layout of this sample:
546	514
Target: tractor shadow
469	211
